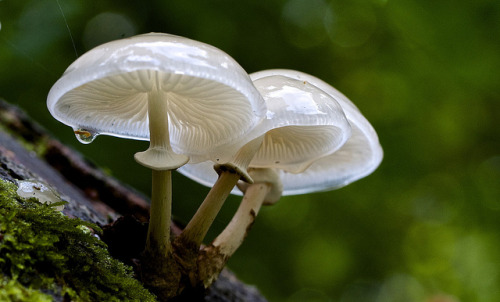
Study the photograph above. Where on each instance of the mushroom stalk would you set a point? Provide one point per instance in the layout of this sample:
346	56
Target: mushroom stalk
215	256
161	207
161	159
198	226
159	155
233	235
229	174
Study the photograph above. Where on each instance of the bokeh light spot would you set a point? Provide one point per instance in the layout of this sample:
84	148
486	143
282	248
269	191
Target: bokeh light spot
476	265
106	27
322	261
304	22
401	287
353	24
290	213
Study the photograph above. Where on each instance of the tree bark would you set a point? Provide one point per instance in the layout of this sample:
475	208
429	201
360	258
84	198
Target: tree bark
93	196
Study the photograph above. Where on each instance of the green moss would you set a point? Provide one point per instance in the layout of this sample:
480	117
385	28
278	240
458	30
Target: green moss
42	249
12	290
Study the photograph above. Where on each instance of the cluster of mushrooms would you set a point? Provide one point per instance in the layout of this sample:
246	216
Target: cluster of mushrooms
271	133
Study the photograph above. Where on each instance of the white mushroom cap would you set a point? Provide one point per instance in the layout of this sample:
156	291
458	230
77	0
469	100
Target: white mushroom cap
212	103
303	124
357	158
353	161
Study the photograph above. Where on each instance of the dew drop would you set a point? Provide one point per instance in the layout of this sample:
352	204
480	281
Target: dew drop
85	136
44	193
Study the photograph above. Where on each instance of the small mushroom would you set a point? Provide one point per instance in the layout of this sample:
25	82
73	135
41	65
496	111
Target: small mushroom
302	124
357	158
191	100
353	159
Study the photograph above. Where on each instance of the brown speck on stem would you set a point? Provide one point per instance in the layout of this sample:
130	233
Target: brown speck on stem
253	216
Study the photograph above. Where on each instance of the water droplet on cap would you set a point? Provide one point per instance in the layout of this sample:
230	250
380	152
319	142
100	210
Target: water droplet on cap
85	136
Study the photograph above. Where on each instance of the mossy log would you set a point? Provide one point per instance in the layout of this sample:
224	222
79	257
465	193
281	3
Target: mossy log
115	214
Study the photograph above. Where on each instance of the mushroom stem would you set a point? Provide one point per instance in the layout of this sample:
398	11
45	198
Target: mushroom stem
161	207
161	159
266	189
229	174
198	226
214	257
233	235
159	155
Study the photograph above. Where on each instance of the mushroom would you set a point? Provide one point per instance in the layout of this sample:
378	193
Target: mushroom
192	101
303	124
354	159
357	158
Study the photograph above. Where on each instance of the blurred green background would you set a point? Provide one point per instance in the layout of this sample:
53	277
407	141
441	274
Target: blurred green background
424	227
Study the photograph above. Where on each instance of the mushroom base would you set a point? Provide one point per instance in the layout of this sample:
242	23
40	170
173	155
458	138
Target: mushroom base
160	274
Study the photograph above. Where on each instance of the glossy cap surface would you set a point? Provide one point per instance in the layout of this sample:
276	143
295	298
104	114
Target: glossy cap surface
212	102
357	158
304	125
